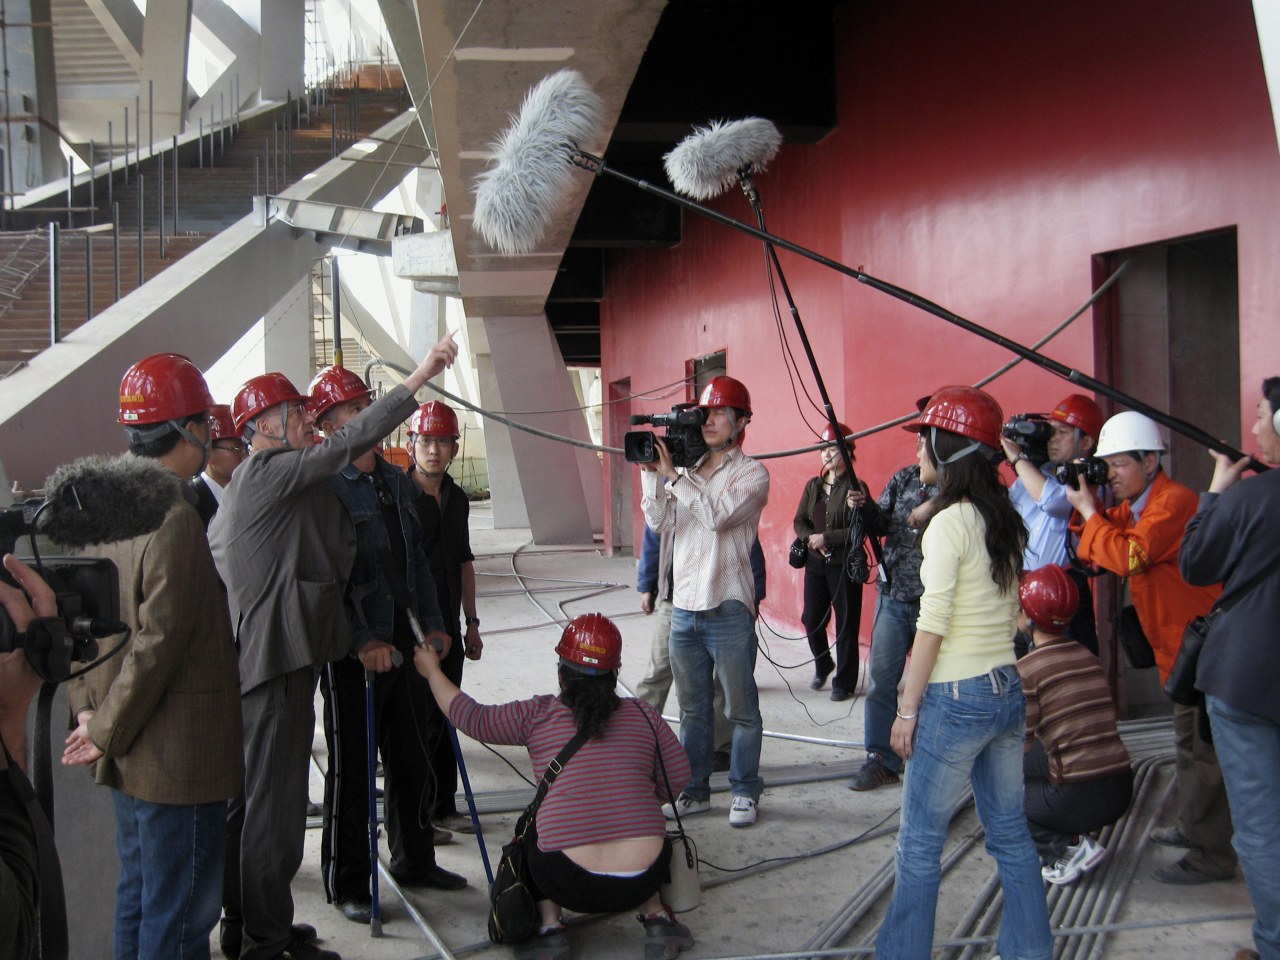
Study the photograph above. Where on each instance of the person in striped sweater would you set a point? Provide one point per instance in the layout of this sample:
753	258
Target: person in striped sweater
601	836
1078	773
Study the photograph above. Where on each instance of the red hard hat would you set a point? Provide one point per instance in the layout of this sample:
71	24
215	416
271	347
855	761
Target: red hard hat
967	411
591	640
434	419
332	386
1079	411
222	424
1049	598
260	393
725	392
829	437
163	386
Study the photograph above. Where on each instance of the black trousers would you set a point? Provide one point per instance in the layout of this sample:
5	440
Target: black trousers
400	699
557	878
1058	812
444	765
827	587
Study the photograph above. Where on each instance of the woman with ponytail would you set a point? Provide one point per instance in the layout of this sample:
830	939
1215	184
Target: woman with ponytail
962	716
601	837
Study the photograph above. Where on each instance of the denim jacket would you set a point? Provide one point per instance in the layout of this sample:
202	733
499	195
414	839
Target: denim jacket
370	607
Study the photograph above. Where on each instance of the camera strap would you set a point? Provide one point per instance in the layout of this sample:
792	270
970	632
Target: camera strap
52	899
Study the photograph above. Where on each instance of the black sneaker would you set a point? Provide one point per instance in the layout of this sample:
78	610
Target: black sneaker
873	774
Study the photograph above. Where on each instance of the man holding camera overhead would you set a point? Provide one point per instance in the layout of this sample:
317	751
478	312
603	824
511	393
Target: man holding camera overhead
714	508
1041	500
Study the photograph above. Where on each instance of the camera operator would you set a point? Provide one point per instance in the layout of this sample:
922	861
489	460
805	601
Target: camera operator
714	509
1139	539
1042	502
19	867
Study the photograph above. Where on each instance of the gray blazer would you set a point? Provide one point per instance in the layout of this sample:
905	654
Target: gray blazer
284	545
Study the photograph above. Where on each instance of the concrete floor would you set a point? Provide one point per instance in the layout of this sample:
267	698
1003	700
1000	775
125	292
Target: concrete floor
806	807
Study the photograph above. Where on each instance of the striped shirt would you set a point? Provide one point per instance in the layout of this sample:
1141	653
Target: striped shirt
1069	709
715	520
611	789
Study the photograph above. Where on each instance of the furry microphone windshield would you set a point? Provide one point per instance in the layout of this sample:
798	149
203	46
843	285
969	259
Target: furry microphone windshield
517	195
105	499
707	162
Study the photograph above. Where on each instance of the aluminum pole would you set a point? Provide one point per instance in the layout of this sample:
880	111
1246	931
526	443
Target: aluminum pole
55	295
88	276
141	195
115	246
175	184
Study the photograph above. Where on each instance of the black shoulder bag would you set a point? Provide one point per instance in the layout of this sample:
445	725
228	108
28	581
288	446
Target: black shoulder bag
1180	686
513	914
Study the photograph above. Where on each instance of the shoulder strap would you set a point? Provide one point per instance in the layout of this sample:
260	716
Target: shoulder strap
1256	579
554	768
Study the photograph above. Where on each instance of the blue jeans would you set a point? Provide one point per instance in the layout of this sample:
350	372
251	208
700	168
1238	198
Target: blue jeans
1249	753
723	641
891	636
170	890
967	730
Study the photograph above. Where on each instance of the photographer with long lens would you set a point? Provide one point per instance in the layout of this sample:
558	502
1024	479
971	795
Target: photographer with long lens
20	869
175	684
1037	447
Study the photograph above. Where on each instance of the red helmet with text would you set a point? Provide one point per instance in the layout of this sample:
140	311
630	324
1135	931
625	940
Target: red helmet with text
1049	598
829	437
332	386
222	425
1080	412
725	392
162	387
591	643
967	411
262	392
434	419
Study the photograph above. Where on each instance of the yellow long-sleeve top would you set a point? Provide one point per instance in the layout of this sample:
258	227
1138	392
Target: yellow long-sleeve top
962	603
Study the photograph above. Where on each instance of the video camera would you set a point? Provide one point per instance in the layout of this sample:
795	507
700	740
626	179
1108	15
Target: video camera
683	436
1031	432
88	596
1092	469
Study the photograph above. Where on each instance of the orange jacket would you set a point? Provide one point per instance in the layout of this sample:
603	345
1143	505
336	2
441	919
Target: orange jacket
1147	553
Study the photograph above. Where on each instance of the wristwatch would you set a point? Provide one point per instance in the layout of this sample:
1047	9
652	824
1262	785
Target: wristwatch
473	620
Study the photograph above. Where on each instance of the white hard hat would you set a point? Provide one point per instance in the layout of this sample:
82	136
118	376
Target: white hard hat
1126	432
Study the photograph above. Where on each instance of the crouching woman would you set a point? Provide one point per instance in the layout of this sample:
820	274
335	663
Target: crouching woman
601	838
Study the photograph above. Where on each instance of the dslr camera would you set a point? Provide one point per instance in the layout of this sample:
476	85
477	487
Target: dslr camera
1092	469
88	596
683	435
1031	432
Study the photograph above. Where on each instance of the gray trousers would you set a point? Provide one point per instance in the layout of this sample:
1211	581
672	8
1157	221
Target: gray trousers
266	827
1203	814
655	686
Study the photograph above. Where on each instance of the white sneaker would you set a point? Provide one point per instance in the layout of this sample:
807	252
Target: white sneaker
687	807
743	812
1078	860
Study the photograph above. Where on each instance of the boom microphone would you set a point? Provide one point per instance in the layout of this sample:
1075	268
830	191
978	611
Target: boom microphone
517	195
104	499
709	161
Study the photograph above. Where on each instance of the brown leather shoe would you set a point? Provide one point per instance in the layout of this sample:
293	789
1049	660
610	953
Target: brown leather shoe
1247	953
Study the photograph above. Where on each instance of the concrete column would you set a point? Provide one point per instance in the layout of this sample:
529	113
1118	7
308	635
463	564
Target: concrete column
283	48
287	335
530	374
32	96
166	33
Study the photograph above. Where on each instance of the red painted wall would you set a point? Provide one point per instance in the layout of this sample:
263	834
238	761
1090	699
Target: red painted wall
984	154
